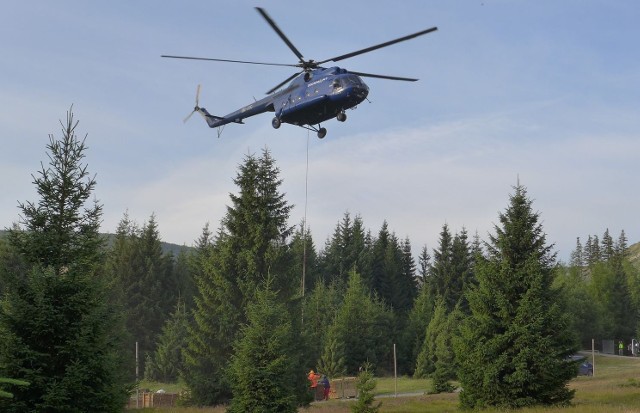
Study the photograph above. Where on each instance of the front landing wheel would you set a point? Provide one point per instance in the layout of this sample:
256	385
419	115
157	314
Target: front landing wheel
275	123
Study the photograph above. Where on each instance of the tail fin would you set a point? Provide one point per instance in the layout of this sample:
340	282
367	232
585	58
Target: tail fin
212	120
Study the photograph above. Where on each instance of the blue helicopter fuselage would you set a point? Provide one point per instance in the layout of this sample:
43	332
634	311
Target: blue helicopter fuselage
312	97
319	95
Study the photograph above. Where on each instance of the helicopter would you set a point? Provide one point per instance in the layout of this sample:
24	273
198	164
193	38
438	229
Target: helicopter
315	94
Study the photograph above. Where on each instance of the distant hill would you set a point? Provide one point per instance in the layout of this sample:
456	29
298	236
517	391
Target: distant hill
634	254
175	249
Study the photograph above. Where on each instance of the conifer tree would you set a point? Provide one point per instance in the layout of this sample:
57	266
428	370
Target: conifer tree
250	246
147	282
303	260
213	327
168	359
606	249
319	310
424	264
426	362
365	384
419	319
621	245
266	375
577	257
462	276
441	269
513	348
346	251
60	332
332	362
362	326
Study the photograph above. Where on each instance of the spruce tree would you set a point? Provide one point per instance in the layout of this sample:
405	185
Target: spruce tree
419	318
365	385
362	327
251	245
60	332
424	264
146	279
266	375
346	250
442	268
426	361
607	250
514	346
213	328
168	359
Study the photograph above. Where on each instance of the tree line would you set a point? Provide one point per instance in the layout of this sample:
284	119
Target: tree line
255	304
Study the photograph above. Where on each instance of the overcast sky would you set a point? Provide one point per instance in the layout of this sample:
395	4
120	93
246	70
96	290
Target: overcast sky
544	91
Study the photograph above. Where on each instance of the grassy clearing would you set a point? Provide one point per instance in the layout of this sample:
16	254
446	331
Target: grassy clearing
615	388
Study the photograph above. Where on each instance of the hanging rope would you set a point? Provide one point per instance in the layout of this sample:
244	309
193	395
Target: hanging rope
304	220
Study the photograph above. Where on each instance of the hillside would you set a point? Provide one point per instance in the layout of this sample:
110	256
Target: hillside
634	254
166	246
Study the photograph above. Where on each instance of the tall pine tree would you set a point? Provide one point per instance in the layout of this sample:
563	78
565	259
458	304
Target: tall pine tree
513	348
250	247
60	331
265	372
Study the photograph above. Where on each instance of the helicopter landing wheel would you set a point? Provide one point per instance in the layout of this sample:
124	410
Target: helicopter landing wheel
341	116
275	123
322	132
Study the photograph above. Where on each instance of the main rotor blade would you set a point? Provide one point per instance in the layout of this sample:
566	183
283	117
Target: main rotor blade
406	79
282	83
275	27
230	61
379	46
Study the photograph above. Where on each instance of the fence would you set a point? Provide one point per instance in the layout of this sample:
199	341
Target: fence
343	388
149	399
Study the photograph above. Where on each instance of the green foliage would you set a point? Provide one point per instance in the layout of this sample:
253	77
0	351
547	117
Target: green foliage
346	251
366	384
445	364
148	285
61	229
426	363
265	373
320	309
15	382
59	330
212	330
513	348
362	327
332	362
250	245
415	332
168	360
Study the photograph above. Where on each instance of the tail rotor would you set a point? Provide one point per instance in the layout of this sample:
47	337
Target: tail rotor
196	108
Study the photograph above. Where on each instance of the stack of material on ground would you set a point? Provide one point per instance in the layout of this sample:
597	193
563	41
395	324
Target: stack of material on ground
343	388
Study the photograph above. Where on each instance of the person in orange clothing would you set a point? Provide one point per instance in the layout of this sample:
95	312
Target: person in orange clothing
313	378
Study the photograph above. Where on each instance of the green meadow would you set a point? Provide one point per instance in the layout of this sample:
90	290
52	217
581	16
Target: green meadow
614	388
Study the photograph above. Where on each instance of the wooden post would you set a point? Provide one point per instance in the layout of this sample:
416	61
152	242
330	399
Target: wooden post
137	385
593	356
395	370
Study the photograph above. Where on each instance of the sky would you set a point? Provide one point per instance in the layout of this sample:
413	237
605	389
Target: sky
545	93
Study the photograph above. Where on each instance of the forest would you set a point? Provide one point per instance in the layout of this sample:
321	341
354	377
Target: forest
255	303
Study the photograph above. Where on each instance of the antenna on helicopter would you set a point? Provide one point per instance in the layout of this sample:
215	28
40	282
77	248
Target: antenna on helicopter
196	108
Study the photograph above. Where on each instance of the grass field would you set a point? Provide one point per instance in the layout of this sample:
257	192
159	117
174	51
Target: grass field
615	388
